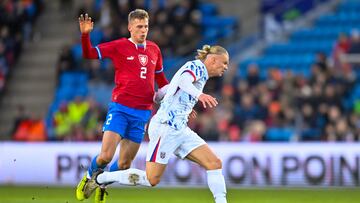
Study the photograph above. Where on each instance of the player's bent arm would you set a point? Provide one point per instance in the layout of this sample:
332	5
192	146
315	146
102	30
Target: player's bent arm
89	52
160	79
186	84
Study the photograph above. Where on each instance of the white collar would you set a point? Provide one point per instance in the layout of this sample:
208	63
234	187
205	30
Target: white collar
136	45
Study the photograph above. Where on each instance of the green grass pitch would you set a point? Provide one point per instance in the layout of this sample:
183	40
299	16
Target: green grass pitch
44	194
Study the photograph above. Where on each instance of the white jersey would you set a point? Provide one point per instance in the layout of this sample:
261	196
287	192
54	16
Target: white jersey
177	104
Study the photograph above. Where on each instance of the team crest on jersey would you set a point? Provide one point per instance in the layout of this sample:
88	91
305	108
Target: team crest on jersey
143	59
162	155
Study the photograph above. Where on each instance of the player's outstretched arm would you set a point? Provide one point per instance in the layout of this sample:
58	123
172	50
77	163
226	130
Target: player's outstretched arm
85	24
186	84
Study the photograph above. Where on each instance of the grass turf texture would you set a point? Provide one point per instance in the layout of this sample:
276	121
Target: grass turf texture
36	194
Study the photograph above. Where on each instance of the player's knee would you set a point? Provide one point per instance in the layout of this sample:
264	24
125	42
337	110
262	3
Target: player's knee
215	164
154	180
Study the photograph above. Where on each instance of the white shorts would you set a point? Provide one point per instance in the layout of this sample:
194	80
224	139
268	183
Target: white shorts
165	141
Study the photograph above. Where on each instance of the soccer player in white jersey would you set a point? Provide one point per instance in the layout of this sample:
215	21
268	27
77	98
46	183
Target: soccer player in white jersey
168	130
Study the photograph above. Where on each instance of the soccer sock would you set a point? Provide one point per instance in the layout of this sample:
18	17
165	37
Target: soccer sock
94	166
216	183
114	167
123	177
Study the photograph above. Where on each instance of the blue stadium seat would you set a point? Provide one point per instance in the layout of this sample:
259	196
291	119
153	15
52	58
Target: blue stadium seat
101	93
208	9
96	35
76	52
227	24
349	6
311	134
279	134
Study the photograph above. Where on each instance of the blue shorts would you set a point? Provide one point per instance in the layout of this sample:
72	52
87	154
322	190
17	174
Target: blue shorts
128	122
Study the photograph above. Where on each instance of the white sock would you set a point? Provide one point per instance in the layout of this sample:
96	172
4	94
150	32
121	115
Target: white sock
216	183
123	177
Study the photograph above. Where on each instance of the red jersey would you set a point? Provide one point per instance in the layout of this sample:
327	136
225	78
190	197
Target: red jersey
136	67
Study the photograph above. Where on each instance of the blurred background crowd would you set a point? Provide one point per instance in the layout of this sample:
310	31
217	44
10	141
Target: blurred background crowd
16	23
298	87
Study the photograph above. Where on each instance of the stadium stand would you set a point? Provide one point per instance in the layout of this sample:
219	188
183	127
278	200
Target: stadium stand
296	90
327	91
17	19
16	22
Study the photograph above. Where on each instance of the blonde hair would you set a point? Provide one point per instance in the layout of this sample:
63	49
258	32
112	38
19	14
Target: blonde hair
138	14
207	49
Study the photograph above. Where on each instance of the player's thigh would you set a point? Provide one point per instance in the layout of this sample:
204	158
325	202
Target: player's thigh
137	120
163	142
135	131
189	141
205	157
110	141
195	149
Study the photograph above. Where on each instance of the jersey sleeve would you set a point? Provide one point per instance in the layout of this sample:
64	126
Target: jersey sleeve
194	70
159	72
104	50
89	52
107	49
159	64
186	84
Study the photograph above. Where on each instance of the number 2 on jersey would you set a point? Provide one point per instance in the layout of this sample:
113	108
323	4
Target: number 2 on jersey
109	119
143	72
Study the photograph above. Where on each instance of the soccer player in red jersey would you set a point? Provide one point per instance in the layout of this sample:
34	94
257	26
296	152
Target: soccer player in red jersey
137	62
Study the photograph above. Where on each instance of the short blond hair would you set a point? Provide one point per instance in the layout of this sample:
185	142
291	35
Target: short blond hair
207	49
138	14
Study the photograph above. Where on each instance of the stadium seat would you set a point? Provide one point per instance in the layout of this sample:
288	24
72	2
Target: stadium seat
208	9
279	134
310	134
